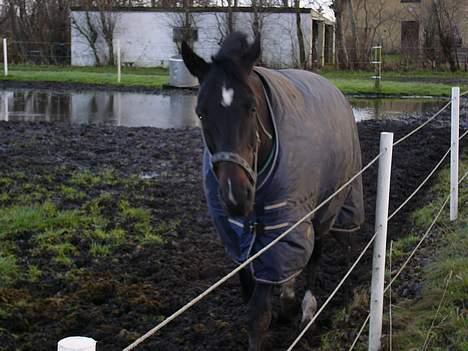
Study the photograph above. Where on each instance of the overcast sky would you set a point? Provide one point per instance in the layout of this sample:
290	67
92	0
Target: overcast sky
327	11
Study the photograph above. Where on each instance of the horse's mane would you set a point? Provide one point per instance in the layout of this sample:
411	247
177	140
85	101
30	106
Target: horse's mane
229	55
234	46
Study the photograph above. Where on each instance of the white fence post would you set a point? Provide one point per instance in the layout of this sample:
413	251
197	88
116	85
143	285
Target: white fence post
454	153
5	57
378	262
118	61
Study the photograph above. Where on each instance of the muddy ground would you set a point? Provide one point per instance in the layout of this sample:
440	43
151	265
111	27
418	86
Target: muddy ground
118	296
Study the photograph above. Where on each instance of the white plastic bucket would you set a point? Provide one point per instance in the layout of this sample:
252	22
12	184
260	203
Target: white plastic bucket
179	75
77	343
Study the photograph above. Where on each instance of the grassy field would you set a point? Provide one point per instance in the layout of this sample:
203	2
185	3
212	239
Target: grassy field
437	317
145	77
420	83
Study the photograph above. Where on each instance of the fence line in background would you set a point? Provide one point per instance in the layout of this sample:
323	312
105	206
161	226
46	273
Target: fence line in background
422	125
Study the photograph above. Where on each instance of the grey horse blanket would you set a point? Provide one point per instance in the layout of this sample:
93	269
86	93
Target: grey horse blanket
316	151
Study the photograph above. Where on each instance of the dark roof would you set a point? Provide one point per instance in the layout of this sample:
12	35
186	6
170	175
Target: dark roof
195	9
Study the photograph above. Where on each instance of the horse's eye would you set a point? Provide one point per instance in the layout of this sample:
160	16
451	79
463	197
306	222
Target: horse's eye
200	117
253	109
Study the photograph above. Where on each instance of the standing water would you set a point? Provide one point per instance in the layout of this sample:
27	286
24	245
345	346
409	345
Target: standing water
172	110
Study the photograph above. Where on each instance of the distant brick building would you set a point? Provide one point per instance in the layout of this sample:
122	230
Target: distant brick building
405	26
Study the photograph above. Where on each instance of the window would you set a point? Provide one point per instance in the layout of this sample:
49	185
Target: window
409	37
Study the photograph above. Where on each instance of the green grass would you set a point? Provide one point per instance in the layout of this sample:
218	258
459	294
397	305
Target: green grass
17	220
391	75
9	270
349	82
144	77
83	215
390	88
360	82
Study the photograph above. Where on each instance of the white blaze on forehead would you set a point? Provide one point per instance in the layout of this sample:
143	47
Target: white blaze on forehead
227	96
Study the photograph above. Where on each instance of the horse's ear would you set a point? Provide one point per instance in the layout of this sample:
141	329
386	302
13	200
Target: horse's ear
252	54
195	64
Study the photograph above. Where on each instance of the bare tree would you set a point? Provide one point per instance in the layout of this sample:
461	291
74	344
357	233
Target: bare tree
300	35
99	22
342	58
88	28
226	20
35	25
365	21
107	20
445	14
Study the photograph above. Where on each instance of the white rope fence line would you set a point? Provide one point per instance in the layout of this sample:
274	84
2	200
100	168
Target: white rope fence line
248	261
252	258
427	121
367	246
422	125
330	297
406	261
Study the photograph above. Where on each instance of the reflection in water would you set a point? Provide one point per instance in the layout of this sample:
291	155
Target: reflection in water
163	111
114	108
391	108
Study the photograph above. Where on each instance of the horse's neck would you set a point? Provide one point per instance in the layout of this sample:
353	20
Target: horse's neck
266	143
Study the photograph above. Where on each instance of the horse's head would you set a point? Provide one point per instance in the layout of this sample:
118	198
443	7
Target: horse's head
227	109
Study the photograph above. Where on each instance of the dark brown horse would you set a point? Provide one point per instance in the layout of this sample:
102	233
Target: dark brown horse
277	143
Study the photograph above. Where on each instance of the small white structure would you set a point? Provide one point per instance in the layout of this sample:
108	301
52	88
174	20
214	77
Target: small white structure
77	343
146	35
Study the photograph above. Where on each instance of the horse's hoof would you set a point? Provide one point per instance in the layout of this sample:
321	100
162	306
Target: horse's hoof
289	310
309	307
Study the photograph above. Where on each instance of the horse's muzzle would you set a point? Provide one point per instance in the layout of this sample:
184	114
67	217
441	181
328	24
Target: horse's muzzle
236	190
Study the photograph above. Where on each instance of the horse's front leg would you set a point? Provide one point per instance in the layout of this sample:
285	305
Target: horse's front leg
259	315
247	284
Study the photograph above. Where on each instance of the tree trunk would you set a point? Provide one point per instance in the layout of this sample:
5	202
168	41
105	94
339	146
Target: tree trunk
446	35
300	35
342	60
230	19
354	38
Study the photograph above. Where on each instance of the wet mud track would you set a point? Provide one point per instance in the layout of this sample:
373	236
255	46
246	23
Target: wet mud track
116	298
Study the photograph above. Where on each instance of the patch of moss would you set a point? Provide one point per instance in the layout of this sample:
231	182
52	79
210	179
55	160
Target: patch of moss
9	270
70	193
98	249
20	219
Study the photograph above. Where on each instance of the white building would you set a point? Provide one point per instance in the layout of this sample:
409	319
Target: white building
146	34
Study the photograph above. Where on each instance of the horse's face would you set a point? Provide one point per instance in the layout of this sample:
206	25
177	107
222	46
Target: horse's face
226	107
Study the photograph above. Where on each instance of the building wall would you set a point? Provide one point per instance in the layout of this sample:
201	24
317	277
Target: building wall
146	36
387	17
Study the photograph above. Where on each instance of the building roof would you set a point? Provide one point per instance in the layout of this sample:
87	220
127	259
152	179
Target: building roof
315	14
